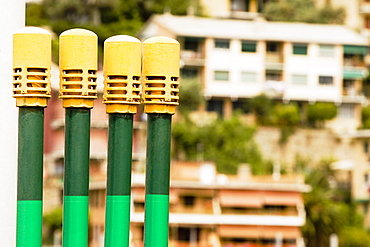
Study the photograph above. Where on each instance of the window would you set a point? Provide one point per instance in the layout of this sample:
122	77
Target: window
272	47
346	111
191	43
273	76
325	80
189	72
216	106
299	79
326	50
222	43
186	234
188	200
300	49
249	46
221	75
240	5
248	77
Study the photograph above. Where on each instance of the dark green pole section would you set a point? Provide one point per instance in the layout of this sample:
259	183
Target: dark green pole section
30	176
157	180
76	177
117	217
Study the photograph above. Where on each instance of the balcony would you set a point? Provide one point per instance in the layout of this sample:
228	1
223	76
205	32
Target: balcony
354	72
365	8
192	58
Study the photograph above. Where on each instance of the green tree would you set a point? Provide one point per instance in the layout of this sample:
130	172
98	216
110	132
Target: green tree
52	222
262	107
365	113
320	112
36	15
191	96
286	114
303	11
226	142
329	209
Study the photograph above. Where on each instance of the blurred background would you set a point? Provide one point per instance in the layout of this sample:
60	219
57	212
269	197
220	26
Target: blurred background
270	142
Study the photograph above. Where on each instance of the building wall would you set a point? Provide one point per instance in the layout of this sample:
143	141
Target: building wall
314	146
313	65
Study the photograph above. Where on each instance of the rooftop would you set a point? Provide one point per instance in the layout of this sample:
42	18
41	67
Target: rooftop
257	30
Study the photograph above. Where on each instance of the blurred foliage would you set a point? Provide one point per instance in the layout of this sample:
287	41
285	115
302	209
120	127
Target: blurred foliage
329	209
228	143
303	11
262	107
365	114
286	114
104	17
52	221
36	15
191	96
320	112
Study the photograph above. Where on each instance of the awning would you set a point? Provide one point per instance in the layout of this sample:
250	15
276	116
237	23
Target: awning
282	198
228	231
349	73
242	198
355	49
286	232
240	231
257	199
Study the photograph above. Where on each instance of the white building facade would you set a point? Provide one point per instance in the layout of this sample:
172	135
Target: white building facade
240	59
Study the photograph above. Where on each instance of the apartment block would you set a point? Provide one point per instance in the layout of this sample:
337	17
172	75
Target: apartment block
238	59
209	209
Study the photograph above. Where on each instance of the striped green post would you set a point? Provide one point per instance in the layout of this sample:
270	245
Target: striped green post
76	177
160	97
122	71
78	75
30	176
157	180
117	227
31	89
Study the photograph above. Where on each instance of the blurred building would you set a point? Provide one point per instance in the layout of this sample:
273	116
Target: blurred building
357	11
237	59
209	209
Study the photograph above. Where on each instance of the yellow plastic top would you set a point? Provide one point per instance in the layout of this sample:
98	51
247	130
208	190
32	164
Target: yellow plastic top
78	49
122	73
78	63
31	66
161	70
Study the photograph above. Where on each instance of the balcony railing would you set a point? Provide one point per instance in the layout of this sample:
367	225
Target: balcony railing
354	72
365	8
192	58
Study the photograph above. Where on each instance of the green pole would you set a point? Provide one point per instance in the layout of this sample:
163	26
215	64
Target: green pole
76	177
117	218
157	180
30	178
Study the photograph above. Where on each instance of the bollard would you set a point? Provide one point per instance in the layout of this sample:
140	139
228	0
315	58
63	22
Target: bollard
78	68
160	97
31	89
122	72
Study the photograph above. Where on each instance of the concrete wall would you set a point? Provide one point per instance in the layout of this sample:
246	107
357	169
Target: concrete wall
315	145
